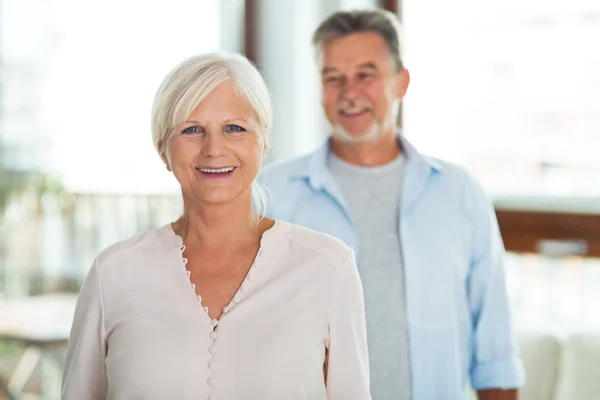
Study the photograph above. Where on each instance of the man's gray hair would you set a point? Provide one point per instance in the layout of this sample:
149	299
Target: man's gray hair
343	23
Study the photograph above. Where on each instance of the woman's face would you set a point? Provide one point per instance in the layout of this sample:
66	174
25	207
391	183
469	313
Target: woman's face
216	154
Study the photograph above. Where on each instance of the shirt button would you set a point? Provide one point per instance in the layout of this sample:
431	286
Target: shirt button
209	381
213	335
261	253
214	322
212	349
211	365
237	299
226	309
249	276
244	288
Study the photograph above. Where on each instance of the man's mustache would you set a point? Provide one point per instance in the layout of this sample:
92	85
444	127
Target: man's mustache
344	104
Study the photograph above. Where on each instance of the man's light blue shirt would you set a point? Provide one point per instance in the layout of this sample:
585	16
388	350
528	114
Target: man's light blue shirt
457	311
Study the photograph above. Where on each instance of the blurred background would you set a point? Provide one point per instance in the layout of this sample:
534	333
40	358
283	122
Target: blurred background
510	90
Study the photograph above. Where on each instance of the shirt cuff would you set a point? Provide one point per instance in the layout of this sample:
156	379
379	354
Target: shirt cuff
509	374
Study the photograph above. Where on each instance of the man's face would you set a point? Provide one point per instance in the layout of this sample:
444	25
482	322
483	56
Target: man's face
361	86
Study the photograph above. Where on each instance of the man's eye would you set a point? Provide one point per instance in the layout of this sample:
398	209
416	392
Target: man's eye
332	79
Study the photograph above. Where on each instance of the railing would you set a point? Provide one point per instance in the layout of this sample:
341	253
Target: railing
49	241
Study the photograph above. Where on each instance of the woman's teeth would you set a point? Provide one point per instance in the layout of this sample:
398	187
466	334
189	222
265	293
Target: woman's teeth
215	171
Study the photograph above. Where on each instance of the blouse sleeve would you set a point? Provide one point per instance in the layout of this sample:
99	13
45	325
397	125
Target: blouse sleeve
85	374
347	365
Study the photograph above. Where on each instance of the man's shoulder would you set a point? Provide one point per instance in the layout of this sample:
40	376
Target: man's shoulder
281	171
456	181
456	174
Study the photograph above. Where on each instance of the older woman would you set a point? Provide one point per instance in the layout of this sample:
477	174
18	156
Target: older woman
223	303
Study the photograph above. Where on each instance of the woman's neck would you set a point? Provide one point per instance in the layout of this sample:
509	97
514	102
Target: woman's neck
218	226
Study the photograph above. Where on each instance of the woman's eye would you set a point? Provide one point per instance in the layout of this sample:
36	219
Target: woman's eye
235	128
191	129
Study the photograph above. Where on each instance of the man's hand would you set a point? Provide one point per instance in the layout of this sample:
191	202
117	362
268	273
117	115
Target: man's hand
497	394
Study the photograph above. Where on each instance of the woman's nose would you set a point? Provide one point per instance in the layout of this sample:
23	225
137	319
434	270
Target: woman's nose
213	145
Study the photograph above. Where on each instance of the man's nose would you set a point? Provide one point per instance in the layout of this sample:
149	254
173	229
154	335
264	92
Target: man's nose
350	91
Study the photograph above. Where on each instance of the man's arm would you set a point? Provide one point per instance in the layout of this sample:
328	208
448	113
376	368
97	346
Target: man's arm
496	369
496	394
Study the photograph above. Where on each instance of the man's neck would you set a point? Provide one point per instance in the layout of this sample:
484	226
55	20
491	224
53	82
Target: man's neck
370	153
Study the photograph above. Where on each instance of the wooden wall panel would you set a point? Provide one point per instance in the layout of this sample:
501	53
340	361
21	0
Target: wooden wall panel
550	232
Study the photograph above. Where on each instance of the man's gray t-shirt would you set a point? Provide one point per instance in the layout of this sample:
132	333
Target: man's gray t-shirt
372	195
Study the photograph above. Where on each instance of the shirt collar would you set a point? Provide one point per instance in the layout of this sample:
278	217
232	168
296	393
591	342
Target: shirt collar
318	174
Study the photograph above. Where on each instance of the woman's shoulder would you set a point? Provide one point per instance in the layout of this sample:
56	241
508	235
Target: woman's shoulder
143	245
321	245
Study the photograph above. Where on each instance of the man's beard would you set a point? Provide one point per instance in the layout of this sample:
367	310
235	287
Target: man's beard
341	134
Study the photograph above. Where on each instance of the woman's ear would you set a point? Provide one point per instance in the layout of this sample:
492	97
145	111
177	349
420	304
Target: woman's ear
163	157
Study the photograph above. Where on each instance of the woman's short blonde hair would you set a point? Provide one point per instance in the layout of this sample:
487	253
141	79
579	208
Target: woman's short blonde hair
190	82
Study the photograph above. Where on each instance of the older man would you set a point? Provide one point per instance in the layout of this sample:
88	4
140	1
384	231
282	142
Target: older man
426	238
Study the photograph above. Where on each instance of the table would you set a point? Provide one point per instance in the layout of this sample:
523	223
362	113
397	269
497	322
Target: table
41	324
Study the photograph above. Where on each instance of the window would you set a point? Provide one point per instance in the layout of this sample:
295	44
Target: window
514	87
558	295
78	83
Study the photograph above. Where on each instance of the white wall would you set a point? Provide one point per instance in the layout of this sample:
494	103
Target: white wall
232	25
